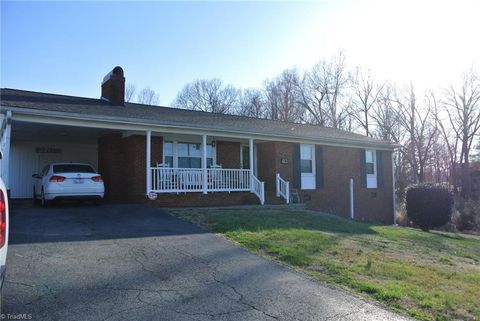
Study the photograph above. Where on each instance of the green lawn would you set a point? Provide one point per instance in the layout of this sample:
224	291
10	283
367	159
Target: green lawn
430	276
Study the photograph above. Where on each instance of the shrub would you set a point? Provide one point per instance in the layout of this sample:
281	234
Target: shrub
429	205
401	214
467	215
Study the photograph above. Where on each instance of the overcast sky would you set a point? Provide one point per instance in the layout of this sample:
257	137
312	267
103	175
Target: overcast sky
65	47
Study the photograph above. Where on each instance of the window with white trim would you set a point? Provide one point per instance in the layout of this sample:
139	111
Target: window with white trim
306	164
168	153
185	155
189	155
371	168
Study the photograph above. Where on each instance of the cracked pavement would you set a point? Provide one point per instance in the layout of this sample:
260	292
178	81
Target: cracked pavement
132	262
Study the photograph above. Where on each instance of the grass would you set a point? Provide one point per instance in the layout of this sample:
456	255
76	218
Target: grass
429	276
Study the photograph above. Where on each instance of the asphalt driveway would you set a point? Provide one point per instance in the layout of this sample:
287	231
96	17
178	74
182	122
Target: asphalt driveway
131	262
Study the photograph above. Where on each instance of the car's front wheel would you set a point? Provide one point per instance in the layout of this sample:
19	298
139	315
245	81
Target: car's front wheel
43	201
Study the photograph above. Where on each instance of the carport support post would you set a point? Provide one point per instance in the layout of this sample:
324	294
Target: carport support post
6	150
204	163
148	161
250	152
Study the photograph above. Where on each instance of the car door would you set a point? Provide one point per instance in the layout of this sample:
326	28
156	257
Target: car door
38	182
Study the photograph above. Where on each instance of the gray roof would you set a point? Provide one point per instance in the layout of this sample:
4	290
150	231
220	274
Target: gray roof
157	115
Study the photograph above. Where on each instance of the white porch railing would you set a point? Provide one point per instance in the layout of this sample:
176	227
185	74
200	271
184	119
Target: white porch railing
228	180
258	188
179	180
282	188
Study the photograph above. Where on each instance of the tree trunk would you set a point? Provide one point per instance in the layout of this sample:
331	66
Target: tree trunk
466	181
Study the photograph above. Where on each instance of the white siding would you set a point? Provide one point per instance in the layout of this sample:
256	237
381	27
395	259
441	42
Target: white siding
25	161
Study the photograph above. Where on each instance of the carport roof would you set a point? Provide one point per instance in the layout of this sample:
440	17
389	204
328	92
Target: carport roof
98	109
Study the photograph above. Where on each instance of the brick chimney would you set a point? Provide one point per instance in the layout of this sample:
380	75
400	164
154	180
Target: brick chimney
113	86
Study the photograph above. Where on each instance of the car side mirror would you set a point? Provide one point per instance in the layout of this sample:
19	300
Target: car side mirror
36	176
1	155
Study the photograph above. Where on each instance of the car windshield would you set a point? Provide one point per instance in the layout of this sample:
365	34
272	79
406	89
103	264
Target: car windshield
73	168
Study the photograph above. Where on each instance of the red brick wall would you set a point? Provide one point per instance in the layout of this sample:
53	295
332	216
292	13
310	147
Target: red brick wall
269	162
122	164
340	164
110	166
228	154
205	200
121	161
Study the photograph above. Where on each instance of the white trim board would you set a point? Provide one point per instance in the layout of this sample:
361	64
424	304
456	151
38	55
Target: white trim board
53	118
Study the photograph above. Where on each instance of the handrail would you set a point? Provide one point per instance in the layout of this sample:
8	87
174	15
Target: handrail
258	188
282	188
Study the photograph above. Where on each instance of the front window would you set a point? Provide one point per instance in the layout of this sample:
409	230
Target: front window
371	168
187	155
306	158
168	153
370	162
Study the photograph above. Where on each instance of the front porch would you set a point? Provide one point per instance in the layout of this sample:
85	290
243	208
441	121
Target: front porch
204	164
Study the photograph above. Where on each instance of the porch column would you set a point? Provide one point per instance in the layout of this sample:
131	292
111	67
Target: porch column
5	162
250	152
204	163
148	160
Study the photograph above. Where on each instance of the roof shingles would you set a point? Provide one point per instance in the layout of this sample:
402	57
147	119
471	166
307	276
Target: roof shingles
156	115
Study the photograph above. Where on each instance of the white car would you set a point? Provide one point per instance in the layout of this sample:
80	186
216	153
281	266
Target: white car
4	216
67	181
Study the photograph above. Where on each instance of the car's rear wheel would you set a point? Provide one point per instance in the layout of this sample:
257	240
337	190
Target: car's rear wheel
43	201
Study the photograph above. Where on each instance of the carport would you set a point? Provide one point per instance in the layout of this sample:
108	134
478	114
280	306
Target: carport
34	145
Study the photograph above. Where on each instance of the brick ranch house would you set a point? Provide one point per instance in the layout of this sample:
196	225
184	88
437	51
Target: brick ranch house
194	158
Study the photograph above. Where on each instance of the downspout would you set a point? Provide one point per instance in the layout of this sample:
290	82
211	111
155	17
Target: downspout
352	211
394	198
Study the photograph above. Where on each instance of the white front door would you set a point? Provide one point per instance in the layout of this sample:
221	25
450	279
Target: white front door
307	166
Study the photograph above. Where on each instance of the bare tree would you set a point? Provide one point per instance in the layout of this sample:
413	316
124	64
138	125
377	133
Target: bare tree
365	95
311	97
323	93
449	143
130	90
208	95
253	104
384	117
421	132
282	97
148	96
462	106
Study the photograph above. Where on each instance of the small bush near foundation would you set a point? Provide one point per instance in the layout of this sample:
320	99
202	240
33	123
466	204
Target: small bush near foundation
428	205
401	214
467	215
